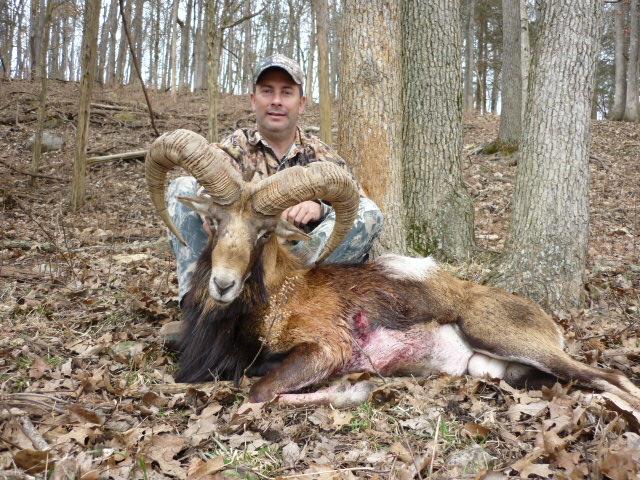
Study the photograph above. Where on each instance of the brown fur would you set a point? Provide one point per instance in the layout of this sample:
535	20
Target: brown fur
310	313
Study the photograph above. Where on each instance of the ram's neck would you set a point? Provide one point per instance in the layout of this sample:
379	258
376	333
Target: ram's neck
279	265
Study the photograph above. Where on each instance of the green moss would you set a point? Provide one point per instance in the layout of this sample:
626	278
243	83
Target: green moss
419	241
503	148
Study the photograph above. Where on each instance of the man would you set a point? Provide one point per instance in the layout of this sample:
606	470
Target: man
278	101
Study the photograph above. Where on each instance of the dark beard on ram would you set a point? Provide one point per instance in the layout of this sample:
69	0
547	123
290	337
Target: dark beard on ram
219	342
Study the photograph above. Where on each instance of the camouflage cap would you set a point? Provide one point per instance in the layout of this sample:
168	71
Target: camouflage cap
279	61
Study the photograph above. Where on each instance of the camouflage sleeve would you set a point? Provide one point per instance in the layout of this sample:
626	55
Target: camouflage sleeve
236	145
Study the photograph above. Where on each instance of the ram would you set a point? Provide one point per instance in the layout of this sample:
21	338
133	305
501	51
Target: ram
253	303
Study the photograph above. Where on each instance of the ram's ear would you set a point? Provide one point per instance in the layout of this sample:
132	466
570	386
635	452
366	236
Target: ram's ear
199	204
288	231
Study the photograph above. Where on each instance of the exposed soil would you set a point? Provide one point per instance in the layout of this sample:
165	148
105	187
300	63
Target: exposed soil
83	297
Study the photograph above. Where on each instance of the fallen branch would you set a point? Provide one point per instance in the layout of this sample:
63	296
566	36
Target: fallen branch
37	175
131	155
32	433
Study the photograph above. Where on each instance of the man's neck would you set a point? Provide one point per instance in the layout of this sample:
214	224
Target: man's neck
279	145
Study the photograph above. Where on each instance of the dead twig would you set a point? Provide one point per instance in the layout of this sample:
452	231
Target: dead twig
32	433
125	26
36	175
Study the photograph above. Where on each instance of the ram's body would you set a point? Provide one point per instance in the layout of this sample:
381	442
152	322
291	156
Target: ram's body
253	304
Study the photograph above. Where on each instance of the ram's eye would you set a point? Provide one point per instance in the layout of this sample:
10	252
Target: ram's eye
213	223
263	235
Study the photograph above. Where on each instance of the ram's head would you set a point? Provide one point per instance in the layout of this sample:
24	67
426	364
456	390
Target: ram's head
245	216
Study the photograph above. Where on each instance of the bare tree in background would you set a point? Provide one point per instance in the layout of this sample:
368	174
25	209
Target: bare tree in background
89	54
42	98
632	109
619	95
469	61
546	251
370	115
512	93
439	209
321	14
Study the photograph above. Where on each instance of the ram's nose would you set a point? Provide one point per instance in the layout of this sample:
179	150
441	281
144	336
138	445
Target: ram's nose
223	285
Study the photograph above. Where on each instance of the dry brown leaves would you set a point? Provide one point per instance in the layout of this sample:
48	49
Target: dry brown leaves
86	386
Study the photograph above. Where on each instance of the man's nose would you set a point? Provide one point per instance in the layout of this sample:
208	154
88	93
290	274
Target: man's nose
276	99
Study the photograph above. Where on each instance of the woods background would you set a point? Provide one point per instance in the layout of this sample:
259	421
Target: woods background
500	136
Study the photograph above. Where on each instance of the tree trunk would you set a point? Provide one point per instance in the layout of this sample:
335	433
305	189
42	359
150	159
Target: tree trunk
155	57
200	52
525	55
321	14
214	44
469	62
113	29
184	49
308	87
89	46
138	37
122	48
619	96
247	50
42	99
174	45
631	105
439	209
481	64
370	118
511	98
546	251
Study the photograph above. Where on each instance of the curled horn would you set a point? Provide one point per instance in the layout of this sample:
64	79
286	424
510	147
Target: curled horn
319	180
207	163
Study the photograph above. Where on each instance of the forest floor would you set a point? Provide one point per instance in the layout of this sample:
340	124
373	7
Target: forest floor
86	388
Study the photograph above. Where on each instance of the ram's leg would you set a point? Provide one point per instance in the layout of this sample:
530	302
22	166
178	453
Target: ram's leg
305	364
540	346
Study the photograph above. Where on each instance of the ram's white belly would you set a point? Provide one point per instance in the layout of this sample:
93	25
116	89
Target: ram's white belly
420	350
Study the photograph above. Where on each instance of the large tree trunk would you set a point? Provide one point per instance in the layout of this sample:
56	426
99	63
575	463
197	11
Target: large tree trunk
321	13
631	108
546	251
89	46
370	117
511	98
137	34
481	64
184	49
439	209
469	63
619	95
525	54
173	62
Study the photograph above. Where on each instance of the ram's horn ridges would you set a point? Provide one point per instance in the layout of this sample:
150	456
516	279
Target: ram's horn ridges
320	180
207	163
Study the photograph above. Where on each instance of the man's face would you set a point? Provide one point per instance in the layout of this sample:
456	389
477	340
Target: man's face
277	103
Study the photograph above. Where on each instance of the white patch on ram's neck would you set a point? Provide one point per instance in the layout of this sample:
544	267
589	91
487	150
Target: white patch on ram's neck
408	268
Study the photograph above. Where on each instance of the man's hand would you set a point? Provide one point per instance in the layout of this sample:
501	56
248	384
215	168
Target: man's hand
303	213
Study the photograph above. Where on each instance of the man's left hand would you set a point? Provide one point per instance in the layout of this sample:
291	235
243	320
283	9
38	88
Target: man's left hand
303	213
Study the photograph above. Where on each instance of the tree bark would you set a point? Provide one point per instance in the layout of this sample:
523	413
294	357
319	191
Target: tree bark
113	29
214	48
308	87
469	62
545	254
321	14
631	110
42	98
619	95
511	98
122	49
184	49
173	62
248	56
370	117
439	209
89	46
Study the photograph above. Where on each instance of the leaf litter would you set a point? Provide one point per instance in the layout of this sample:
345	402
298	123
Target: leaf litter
86	383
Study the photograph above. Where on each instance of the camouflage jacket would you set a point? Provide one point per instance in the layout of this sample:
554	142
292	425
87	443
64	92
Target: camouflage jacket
257	159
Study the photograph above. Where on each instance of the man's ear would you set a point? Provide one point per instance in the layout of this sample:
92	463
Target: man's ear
199	204
289	231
